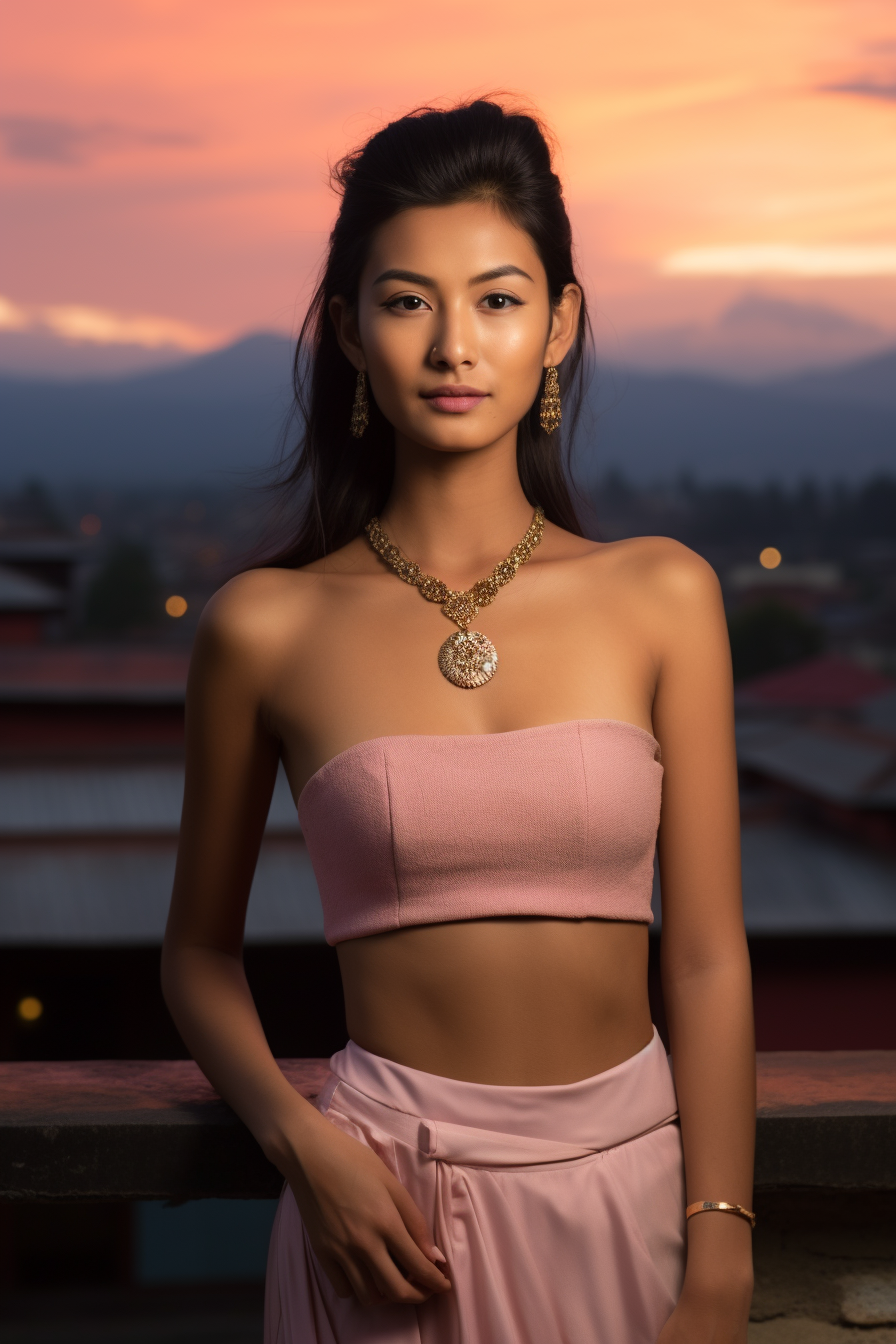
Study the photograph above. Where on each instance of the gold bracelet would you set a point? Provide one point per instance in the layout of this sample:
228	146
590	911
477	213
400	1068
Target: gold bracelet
710	1206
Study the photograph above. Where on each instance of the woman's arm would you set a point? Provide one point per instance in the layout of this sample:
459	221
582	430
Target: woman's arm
359	1217
705	964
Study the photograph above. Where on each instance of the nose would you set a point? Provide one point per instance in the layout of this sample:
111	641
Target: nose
456	346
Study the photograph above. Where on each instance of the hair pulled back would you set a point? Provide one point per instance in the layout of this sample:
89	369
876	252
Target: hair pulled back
475	151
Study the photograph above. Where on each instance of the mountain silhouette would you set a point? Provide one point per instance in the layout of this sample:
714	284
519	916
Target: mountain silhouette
220	418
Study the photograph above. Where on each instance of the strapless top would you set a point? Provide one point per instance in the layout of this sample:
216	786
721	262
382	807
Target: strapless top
557	821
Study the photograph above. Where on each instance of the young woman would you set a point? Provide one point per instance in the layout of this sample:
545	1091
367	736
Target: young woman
477	709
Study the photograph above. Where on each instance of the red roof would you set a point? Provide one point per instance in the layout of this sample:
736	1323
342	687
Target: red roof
828	682
65	672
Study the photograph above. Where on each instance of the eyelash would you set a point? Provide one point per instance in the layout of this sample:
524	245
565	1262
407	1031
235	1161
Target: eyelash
510	299
395	304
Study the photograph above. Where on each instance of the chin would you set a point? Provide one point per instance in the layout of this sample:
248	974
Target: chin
457	438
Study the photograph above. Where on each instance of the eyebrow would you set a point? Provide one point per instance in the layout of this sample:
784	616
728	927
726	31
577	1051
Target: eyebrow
414	277
497	274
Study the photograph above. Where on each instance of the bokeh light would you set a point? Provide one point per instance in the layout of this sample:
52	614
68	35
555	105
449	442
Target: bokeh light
29	1009
770	557
176	605
90	524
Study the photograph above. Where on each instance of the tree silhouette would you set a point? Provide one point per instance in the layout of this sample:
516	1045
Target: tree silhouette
768	636
125	594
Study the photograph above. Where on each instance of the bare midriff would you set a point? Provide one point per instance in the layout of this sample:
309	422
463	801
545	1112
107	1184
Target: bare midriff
512	1001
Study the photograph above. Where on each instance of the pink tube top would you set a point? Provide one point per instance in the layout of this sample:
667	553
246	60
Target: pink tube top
557	821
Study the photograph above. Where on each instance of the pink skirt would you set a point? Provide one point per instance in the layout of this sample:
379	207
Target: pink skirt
560	1209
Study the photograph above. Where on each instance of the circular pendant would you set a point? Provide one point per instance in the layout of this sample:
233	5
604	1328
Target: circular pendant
468	659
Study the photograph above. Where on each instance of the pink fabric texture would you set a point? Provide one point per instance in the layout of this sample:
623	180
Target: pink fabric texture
560	1209
557	821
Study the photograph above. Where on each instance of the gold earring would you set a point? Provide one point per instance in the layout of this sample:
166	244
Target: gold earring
360	408
551	413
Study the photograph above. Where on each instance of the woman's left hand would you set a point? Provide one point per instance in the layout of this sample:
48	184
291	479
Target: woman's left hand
714	1306
708	1319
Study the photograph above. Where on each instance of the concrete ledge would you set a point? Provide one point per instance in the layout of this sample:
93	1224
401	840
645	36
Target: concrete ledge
135	1129
826	1120
131	1129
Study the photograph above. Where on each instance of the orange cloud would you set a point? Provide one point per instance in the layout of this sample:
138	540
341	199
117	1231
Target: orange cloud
170	158
98	326
782	259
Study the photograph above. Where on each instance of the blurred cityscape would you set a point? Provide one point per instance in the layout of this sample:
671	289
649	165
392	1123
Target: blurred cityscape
101	587
100	591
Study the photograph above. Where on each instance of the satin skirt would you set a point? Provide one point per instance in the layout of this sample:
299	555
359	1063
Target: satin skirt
560	1209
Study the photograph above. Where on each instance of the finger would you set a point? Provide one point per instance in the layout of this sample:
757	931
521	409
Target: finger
373	1292
416	1224
413	1263
363	1284
389	1277
334	1272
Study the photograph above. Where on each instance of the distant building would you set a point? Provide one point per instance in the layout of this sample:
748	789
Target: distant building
829	684
36	578
805	587
27	608
91	784
82	701
816	748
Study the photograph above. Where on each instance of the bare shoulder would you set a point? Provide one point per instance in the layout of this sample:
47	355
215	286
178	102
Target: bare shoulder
255	617
673	601
660	570
670	593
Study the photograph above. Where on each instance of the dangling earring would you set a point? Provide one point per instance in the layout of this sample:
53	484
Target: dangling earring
360	408
550	414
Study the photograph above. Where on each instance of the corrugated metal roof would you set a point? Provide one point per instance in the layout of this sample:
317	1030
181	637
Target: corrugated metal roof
834	764
108	800
822	577
799	881
21	592
828	682
102	895
87	674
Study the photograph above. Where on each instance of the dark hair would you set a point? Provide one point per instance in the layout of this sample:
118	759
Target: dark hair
331	484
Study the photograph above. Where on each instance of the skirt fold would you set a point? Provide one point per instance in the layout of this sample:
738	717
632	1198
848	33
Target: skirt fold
560	1209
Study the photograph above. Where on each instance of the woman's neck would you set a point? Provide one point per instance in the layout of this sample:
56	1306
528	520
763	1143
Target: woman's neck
456	514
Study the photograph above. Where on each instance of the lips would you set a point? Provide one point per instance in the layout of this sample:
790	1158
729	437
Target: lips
455	399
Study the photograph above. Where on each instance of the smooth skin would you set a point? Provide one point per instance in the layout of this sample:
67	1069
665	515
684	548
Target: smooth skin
298	665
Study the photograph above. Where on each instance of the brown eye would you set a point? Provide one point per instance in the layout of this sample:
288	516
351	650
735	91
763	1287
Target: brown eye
408	303
499	302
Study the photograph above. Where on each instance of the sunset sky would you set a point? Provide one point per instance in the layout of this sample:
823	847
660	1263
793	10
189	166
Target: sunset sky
164	162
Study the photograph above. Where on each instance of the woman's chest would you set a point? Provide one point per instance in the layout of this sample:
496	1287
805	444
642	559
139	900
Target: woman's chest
369	666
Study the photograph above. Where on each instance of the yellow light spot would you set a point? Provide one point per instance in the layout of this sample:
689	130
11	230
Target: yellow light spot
90	524
29	1009
176	606
770	558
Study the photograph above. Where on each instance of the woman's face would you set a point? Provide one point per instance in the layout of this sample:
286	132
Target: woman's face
454	324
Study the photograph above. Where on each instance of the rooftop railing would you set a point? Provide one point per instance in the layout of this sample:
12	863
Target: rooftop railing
129	1130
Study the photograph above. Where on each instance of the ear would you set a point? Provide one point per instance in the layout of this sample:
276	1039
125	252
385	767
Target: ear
564	325
345	320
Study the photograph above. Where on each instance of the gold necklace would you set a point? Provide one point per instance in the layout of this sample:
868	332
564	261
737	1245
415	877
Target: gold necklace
467	658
